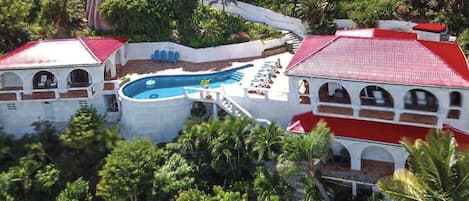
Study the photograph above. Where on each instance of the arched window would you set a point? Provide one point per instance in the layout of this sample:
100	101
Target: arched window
376	96
333	92
455	99
11	81
78	78
377	161
419	99
44	80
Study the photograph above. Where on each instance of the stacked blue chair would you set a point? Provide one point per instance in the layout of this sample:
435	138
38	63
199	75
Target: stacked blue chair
155	55
170	56
176	56
163	56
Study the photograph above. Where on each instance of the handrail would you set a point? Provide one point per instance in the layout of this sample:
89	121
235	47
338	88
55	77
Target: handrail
220	96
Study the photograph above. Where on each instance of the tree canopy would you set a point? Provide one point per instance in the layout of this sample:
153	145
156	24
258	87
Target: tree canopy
437	171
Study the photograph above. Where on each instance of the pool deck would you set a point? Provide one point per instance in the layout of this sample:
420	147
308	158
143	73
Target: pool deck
140	68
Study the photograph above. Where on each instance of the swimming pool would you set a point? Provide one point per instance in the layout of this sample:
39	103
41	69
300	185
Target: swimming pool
165	86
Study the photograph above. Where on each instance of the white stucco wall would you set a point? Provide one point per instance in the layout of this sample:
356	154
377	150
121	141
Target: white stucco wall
18	121
161	120
397	91
143	51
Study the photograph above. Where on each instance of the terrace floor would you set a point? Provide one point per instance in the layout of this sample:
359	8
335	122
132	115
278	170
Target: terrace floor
137	68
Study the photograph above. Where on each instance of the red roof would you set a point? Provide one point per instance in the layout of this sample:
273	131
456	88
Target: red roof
368	130
382	56
61	52
436	28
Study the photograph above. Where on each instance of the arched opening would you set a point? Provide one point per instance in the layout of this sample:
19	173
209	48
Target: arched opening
44	80
419	99
333	92
338	157
10	81
377	162
79	78
303	91
455	99
376	96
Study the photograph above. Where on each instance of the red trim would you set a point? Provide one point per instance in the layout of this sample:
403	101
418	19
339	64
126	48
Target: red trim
436	28
369	130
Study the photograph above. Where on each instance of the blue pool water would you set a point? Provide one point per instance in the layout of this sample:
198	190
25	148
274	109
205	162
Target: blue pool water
164	86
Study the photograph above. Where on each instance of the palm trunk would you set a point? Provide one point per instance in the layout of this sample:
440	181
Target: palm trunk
313	166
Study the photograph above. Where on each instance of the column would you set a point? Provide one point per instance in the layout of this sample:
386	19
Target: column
354	189
215	110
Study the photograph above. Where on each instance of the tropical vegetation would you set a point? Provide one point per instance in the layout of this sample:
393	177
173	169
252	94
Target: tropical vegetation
437	171
212	159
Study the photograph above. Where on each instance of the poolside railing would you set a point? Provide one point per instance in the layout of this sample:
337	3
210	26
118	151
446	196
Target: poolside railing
255	92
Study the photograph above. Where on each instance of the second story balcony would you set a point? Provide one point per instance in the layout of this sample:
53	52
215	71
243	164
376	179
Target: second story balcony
419	107
45	86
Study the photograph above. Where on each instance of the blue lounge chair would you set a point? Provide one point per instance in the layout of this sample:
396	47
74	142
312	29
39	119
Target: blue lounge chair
171	56
155	55
176	56
163	57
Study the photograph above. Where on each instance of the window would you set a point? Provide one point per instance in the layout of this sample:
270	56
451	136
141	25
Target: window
83	103
455	98
11	106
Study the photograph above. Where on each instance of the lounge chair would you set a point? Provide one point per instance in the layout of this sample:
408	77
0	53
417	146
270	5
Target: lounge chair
421	99
379	100
163	57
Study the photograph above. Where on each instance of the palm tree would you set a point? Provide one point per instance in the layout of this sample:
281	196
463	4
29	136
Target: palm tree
223	2
437	171
306	151
229	150
318	14
266	142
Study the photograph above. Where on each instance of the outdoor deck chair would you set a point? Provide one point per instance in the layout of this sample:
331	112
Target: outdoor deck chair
155	55
163	56
176	56
379	100
170	56
421	99
42	81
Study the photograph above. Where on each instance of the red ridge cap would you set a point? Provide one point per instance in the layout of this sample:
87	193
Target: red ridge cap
436	28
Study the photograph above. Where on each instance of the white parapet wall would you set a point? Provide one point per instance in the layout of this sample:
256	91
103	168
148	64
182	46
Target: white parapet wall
262	15
279	21
143	51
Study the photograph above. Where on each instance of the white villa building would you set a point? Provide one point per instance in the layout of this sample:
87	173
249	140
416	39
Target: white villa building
372	86
51	79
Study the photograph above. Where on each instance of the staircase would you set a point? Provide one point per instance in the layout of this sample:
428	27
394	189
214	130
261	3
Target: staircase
294	40
223	101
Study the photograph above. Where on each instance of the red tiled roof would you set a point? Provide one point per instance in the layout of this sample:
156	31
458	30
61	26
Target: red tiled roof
61	52
436	28
381	56
368	130
102	48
